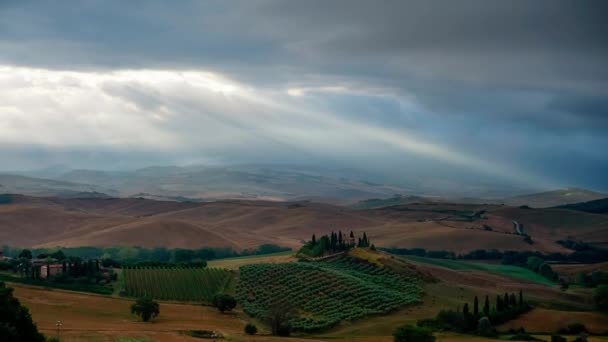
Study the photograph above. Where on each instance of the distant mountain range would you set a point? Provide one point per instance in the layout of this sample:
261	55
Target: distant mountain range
204	183
265	182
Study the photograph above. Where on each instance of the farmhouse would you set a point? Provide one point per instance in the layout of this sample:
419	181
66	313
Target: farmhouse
47	268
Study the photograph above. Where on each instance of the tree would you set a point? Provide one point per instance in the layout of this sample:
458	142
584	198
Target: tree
486	307
476	307
534	263
146	308
521	298
26	253
278	317
16	323
484	327
58	255
314	240
251	329
499	307
409	333
224	302
512	300
465	309
600	297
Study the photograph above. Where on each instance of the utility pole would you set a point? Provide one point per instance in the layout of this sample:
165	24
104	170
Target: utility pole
58	326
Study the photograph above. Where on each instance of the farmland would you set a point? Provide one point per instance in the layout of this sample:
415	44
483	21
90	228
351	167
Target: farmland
326	293
503	270
182	284
235	263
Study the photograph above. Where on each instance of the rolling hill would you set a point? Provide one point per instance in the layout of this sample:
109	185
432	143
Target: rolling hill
16	184
50	222
597	206
554	198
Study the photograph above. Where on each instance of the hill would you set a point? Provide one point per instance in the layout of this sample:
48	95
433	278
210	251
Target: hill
374	203
15	184
599	206
554	198
235	182
52	221
327	292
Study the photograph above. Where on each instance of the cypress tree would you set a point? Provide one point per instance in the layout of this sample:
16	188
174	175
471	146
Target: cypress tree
476	307
498	303
365	242
465	309
359	242
486	307
340	242
512	300
505	300
314	239
521	298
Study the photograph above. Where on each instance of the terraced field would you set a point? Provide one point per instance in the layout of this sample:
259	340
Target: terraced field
183	284
325	293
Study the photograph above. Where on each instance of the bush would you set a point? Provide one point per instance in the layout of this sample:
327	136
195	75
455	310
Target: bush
224	302
409	333
251	329
558	338
146	308
600	297
573	329
484	327
581	338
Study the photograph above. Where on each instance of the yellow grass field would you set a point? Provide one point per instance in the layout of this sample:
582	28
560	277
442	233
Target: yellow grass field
235	263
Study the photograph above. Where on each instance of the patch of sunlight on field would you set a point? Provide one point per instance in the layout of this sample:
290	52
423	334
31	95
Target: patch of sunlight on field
235	263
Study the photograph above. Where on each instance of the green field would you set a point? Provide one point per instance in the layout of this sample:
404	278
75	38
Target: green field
499	269
325	293
183	284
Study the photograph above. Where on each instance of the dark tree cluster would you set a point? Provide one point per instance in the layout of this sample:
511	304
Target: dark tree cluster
592	279
16	323
117	256
334	243
146	308
479	318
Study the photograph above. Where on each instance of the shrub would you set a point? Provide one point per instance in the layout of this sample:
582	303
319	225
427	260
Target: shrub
224	302
484	327
251	329
573	329
409	333
146	308
558	338
581	338
600	297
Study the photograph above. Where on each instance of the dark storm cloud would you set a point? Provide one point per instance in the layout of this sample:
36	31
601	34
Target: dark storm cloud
476	72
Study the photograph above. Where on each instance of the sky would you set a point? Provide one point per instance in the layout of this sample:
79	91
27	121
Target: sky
505	92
